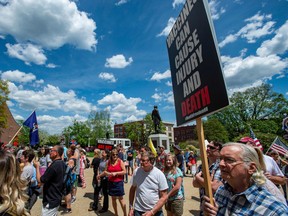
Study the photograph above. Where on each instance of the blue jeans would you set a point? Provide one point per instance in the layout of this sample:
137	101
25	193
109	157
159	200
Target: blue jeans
139	213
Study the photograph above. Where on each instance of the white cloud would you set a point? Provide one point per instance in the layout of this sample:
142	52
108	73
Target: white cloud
177	2
49	24
168	83
121	107
107	76
51	65
229	39
165	32
216	12
121	2
118	61
49	98
278	44
257	26
28	53
18	76
165	97
243	72
159	76
55	125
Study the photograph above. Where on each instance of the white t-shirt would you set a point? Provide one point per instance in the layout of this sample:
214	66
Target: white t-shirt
271	166
148	186
27	172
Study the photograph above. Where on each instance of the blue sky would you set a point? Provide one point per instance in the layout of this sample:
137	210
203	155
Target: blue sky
65	58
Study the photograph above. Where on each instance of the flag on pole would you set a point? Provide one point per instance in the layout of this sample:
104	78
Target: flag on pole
279	146
31	122
285	124
151	146
256	141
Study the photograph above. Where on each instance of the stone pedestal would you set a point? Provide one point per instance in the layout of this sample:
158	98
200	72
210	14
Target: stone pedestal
160	140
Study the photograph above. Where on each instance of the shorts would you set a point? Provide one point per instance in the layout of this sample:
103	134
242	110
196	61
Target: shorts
46	211
131	163
75	184
116	188
175	206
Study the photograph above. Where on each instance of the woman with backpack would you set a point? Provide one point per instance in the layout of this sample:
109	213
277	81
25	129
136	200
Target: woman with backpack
69	181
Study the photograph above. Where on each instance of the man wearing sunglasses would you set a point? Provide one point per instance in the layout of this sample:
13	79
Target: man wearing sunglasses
213	154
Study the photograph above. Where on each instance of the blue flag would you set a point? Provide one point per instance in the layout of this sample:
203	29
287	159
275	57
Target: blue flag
285	124
31	122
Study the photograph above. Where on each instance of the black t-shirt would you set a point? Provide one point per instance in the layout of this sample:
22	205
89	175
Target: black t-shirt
53	183
130	155
180	161
95	163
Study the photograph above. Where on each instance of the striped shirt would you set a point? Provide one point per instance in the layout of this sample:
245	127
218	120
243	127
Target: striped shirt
253	201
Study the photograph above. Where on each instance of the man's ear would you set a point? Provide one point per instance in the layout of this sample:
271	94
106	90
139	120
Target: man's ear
252	168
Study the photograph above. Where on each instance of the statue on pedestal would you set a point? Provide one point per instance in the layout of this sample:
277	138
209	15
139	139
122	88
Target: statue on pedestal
156	119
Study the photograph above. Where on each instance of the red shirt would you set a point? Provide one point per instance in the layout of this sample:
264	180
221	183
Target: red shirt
115	168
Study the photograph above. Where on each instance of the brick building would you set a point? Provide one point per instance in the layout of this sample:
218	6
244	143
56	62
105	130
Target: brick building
11	129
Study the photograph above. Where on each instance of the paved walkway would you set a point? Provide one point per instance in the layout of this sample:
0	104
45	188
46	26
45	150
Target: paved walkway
85	197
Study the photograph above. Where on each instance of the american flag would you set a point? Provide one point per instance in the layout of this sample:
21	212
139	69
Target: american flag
256	141
279	146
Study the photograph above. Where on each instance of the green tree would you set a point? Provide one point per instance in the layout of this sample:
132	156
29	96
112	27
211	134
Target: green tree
99	124
4	91
149	127
214	130
78	131
251	107
134	131
53	140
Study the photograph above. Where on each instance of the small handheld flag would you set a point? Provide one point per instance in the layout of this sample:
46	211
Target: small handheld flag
31	122
256	141
279	146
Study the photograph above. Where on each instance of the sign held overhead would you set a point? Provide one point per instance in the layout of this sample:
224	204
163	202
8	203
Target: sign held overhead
198	84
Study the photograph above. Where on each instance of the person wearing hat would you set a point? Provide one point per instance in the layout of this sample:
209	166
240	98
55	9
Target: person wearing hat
179	156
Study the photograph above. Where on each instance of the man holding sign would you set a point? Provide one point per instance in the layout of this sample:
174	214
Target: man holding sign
242	194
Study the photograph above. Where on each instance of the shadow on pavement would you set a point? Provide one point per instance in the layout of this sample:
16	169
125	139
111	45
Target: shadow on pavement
194	212
89	195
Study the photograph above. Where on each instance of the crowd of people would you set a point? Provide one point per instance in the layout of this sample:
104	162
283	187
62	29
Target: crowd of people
244	181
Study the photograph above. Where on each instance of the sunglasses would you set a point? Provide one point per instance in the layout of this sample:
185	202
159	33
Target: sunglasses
211	147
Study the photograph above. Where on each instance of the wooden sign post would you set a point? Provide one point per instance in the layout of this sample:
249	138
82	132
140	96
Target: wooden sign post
205	165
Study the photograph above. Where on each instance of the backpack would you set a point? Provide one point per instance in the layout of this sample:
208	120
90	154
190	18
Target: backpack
87	163
67	180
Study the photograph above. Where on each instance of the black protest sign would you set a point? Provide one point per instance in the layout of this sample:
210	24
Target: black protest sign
198	83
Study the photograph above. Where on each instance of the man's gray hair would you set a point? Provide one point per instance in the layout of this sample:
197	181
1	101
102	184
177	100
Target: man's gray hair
249	154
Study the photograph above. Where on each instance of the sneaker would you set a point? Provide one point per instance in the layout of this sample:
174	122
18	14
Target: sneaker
102	211
92	209
67	211
73	199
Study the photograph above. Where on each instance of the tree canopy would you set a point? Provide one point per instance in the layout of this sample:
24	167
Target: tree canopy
259	108
4	91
